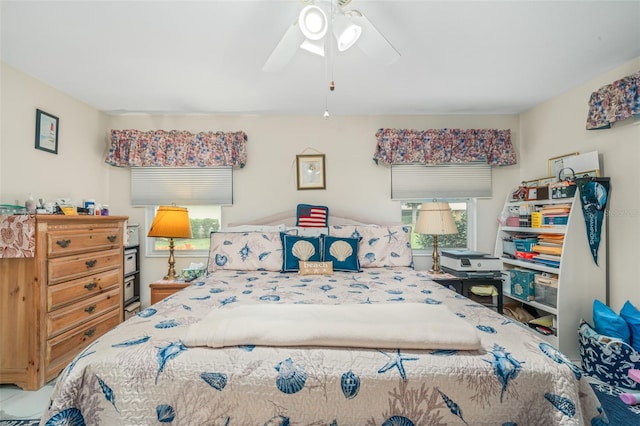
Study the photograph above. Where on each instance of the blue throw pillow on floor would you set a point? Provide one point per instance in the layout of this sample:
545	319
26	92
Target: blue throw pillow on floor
631	315
608	323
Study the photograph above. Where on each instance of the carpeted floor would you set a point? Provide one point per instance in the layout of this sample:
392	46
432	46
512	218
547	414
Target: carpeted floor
618	413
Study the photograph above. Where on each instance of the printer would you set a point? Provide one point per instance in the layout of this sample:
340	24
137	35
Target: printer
465	263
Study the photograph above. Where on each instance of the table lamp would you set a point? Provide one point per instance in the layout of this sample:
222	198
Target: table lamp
171	222
435	219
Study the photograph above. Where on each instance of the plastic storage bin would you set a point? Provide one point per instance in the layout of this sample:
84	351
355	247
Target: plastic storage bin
130	261
525	244
129	288
509	248
546	289
522	283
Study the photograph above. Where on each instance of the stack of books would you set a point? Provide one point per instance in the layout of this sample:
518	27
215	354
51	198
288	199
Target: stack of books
548	249
555	214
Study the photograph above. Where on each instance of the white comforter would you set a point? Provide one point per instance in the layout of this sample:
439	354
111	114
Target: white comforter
384	325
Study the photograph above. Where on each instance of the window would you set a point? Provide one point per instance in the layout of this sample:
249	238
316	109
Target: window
203	219
463	214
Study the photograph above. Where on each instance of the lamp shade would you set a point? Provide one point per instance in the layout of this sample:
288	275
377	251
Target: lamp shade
346	32
171	222
435	219
313	22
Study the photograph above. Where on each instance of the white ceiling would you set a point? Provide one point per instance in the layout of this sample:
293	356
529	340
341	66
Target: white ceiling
206	57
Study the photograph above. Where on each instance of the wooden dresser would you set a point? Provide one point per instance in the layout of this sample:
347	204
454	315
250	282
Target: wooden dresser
57	302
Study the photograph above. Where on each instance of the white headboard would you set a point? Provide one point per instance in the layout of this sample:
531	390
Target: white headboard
336	217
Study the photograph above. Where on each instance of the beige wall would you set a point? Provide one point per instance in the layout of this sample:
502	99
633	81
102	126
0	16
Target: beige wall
77	171
557	127
267	184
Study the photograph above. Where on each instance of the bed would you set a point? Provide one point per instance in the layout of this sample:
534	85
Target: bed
153	368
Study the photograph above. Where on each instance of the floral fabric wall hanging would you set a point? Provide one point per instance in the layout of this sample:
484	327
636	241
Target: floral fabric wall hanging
614	102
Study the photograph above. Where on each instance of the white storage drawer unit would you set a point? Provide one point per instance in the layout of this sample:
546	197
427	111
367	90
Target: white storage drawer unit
133	235
130	260
129	287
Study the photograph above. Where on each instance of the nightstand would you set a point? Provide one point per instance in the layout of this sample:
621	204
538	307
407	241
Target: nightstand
164	288
463	286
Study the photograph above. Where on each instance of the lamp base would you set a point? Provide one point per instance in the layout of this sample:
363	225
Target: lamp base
436	257
171	274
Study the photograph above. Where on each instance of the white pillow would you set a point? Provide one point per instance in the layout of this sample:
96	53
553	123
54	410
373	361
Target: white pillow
306	232
254	228
380	245
245	251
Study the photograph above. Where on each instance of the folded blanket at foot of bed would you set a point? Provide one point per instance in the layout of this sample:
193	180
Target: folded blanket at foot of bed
404	326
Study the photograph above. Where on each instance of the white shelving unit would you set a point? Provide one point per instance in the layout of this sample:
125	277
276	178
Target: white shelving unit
580	280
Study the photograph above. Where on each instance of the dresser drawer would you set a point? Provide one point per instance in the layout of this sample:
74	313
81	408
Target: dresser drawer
65	318
66	242
65	268
61	349
72	291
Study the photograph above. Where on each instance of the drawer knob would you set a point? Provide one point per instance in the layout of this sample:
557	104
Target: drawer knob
63	243
112	238
91	263
90	309
91	285
90	332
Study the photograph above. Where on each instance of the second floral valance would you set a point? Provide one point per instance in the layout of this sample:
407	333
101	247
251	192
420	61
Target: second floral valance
614	102
159	148
442	146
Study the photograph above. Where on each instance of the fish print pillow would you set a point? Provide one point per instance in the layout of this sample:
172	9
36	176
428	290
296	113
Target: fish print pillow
245	251
380	246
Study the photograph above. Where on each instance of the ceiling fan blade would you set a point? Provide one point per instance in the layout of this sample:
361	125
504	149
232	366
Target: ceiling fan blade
286	48
371	41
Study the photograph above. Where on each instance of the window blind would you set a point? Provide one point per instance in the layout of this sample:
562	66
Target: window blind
154	186
419	182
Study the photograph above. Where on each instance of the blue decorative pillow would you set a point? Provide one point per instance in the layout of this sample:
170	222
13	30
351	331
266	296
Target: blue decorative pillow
296	248
631	315
608	323
310	216
343	252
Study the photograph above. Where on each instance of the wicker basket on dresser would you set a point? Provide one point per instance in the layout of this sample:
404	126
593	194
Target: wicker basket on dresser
56	303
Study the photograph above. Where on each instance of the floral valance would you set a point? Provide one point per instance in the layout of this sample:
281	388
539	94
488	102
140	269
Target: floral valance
442	146
159	148
614	102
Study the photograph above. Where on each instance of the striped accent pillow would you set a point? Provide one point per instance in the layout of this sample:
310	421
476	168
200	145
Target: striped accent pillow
309	216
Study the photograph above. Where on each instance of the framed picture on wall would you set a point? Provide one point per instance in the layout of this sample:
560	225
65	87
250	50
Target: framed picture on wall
46	132
310	171
557	163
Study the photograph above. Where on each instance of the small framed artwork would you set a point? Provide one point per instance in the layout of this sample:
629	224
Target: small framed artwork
310	171
547	181
530	183
532	193
46	132
557	163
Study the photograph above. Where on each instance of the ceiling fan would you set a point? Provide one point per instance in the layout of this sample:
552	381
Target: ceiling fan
322	22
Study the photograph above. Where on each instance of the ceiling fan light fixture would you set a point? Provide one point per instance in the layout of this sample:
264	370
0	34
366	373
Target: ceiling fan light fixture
313	22
313	46
346	32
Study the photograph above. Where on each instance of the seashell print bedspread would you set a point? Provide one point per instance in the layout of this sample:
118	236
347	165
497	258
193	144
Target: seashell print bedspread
141	373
